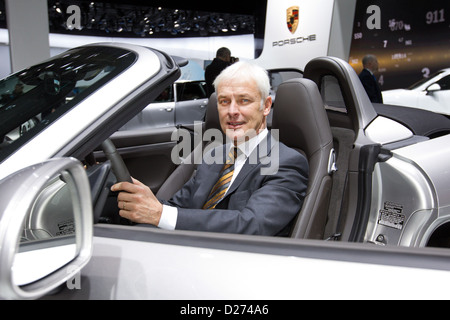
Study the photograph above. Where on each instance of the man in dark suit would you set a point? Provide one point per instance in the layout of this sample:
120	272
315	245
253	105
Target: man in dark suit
220	63
367	77
267	180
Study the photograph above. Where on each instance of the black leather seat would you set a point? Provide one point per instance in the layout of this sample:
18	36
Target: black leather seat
301	119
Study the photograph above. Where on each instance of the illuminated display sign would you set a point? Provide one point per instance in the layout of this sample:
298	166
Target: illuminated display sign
410	39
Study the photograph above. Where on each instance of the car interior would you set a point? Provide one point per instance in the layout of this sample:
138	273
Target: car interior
327	126
304	126
323	115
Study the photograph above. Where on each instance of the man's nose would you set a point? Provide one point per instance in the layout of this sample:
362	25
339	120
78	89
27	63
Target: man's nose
234	108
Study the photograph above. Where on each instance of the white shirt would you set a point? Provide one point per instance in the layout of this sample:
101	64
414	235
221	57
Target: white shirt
169	214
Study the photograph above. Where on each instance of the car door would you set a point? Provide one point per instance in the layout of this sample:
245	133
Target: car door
146	143
130	262
147	153
191	101
159	113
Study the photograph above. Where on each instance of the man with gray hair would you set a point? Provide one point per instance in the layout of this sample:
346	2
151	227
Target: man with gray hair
367	77
233	196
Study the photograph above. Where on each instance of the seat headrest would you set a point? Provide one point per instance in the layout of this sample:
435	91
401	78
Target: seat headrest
212	115
300	116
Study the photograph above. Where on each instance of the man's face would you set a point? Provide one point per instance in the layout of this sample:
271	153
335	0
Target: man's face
240	112
374	65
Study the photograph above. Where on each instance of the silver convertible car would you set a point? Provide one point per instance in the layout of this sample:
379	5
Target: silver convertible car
375	222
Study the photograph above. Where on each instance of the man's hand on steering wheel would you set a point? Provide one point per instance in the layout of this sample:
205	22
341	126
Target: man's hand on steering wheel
137	202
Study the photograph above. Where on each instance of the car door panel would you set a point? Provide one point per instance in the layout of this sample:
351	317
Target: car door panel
153	116
147	154
191	101
148	263
145	142
187	112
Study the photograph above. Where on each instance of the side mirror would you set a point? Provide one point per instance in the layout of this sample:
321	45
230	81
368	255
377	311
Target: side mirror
433	88
46	228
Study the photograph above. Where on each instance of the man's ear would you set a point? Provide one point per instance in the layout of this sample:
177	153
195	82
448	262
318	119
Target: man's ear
267	106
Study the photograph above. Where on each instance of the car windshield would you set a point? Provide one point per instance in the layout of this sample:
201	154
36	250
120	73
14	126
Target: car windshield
34	98
421	82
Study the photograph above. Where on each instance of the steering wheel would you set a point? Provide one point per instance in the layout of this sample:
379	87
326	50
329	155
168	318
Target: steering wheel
120	170
118	167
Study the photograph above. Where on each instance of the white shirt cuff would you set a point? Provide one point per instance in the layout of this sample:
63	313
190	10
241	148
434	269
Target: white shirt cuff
169	218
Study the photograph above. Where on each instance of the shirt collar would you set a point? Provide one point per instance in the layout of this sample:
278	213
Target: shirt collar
250	145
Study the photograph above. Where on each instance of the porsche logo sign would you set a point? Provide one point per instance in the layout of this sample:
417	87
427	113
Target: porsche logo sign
292	21
292	18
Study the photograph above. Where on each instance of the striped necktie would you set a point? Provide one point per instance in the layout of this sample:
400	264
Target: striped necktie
221	186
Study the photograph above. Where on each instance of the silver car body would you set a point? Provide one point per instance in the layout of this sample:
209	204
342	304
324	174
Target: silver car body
428	94
410	200
421	205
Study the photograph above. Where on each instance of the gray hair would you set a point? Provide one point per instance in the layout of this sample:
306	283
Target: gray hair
245	71
368	59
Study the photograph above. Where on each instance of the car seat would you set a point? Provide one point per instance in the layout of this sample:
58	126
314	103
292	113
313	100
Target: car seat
301	119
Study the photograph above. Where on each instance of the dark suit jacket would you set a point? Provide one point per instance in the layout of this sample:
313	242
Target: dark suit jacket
371	85
211	73
255	203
